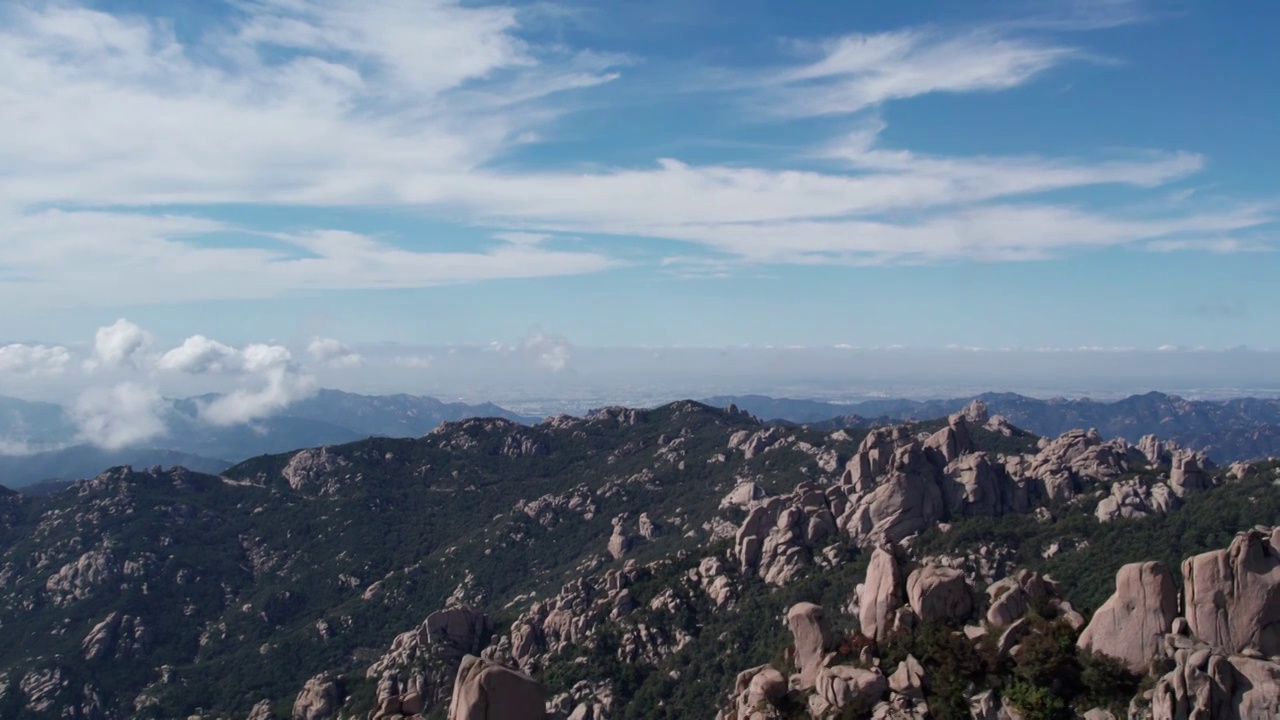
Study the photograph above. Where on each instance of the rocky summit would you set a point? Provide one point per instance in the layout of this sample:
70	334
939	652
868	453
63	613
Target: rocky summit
680	562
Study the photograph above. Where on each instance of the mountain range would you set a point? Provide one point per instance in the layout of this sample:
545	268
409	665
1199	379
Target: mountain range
1229	430
646	564
327	418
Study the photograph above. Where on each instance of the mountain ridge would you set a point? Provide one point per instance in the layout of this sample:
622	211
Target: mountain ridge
168	593
1228	430
328	418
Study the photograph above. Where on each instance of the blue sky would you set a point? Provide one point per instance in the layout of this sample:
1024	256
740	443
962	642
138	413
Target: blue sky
1019	174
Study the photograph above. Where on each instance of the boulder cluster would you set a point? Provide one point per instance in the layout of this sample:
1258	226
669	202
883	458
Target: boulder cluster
1214	654
899	484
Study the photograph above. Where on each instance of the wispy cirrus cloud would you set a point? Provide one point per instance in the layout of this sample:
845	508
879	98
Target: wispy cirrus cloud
416	105
1220	246
853	72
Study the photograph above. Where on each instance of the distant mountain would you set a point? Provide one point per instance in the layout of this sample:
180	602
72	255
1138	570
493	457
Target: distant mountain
27	426
81	461
331	417
393	415
1228	430
46	487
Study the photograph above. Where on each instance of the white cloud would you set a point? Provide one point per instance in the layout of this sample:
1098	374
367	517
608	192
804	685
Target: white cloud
294	102
78	258
334	353
199	355
118	346
993	232
1221	246
407	103
269	378
857	71
279	385
33	360
522	238
415	362
551	352
123	415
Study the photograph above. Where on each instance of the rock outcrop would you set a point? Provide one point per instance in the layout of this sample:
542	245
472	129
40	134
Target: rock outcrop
881	594
1187	473
319	699
1233	595
418	670
1134	499
847	689
117	635
938	593
755	694
1131	625
1206	683
620	542
488	691
809	630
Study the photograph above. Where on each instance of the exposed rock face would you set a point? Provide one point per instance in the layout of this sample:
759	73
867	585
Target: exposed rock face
939	593
711	576
781	535
488	691
755	692
1155	451
1233	595
306	469
116	636
82	578
809	628
1010	599
845	688
261	711
906	502
1062	463
976	412
319	699
880	596
586	604
1131	625
743	495
648	529
874	455
620	542
950	442
1187	474
1208	684
1133	499
972	487
419	668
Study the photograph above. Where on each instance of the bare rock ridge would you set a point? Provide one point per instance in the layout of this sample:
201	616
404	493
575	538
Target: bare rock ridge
895	484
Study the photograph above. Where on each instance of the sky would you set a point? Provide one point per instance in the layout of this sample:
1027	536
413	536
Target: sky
287	193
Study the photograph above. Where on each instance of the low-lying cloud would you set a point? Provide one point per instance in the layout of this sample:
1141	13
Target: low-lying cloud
34	360
118	346
121	373
123	415
334	353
